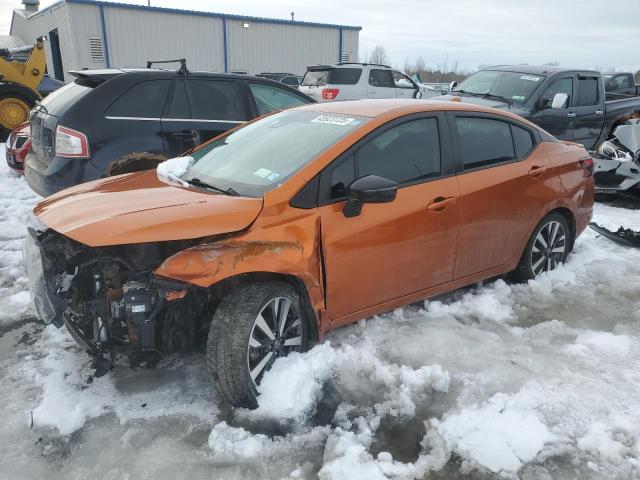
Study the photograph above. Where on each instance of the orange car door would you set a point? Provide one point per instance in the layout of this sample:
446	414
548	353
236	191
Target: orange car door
505	183
393	249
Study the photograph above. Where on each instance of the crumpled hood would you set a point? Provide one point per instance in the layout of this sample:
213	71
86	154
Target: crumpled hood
139	207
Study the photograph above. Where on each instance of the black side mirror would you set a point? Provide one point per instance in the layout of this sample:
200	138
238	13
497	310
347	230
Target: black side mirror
369	189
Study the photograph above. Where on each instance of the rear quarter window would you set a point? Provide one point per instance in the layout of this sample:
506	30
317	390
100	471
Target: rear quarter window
145	99
522	140
58	102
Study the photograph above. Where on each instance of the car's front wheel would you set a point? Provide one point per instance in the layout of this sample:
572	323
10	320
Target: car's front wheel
548	247
252	327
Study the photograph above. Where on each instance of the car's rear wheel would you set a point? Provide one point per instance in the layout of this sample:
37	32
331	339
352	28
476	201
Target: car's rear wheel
254	326
548	247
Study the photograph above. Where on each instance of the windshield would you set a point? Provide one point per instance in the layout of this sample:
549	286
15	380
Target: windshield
332	76
261	156
512	86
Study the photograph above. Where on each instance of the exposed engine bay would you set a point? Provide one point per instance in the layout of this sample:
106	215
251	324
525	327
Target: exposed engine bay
617	160
110	300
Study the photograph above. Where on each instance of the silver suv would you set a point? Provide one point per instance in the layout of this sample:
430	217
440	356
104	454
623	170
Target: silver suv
353	81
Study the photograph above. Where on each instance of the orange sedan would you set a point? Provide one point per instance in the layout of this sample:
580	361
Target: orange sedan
260	241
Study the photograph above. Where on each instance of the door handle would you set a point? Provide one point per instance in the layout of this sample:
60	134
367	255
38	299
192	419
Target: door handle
186	134
599	112
571	115
440	203
536	171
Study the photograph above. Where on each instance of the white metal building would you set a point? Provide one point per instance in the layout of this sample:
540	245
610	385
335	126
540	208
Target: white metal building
97	34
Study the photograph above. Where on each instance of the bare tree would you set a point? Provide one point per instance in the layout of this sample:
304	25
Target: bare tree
637	76
379	55
420	64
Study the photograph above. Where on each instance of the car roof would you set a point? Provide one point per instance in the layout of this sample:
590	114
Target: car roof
535	69
377	107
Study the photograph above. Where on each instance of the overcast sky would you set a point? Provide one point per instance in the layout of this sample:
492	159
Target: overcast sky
580	33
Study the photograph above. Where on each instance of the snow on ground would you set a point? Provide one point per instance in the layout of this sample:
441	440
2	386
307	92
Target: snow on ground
540	380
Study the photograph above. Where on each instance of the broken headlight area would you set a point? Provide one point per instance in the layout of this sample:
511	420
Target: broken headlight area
617	160
110	300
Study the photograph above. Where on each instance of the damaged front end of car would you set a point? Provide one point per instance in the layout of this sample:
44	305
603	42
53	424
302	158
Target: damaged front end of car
110	300
617	161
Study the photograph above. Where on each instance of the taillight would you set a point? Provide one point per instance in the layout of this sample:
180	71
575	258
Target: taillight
330	93
587	166
71	143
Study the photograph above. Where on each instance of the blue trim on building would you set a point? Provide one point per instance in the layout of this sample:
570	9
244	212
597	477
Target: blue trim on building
340	46
197	13
224	45
105	41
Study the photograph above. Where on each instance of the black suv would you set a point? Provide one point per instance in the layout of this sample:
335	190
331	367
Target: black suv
109	122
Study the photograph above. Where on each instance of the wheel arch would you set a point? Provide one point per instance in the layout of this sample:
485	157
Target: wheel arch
225	286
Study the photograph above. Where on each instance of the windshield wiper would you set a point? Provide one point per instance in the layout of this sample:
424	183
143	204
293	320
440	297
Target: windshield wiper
196	182
484	95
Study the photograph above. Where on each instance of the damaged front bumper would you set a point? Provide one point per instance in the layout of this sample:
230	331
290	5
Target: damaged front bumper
616	176
623	236
49	306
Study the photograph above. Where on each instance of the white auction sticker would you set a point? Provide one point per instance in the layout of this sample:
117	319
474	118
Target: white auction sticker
530	77
333	120
262	172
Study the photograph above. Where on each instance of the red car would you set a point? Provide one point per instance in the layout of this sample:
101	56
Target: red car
17	146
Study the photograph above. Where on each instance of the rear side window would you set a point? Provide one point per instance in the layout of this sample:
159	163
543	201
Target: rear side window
269	98
522	141
216	100
587	91
332	76
484	141
381	78
293	81
178	105
145	99
58	102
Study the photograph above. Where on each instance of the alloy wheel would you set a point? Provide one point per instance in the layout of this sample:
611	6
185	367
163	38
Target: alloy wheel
276	332
549	248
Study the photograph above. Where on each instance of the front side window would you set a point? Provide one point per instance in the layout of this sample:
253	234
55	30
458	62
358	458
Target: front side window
145	99
405	153
259	157
484	141
216	100
587	91
269	98
562	85
178	105
381	78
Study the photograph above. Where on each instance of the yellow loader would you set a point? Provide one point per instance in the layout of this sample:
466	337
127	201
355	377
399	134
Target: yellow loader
19	86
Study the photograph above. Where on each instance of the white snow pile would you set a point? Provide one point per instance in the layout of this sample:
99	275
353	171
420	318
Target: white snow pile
69	398
174	168
16	205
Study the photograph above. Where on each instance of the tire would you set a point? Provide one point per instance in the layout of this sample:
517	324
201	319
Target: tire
15	103
538	256
239	347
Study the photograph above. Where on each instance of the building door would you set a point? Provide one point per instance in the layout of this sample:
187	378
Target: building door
56	56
